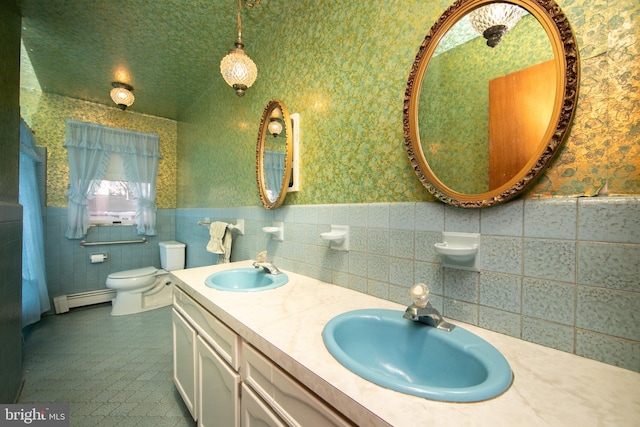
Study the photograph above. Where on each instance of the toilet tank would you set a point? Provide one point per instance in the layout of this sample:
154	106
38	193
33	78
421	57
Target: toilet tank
172	255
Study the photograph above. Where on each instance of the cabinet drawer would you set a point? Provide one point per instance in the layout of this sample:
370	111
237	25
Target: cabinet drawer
217	334
290	400
256	413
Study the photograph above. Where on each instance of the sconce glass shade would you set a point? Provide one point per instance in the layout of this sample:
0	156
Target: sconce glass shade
275	127
494	20
121	94
238	70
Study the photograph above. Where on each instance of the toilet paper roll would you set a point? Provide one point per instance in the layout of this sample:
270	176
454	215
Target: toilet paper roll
96	258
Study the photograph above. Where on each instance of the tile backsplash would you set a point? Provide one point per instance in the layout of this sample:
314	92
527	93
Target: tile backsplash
563	273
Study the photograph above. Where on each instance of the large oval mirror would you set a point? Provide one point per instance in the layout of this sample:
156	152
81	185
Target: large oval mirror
274	154
490	98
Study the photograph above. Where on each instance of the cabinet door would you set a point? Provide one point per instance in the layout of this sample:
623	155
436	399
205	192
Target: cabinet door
217	334
218	390
184	361
255	413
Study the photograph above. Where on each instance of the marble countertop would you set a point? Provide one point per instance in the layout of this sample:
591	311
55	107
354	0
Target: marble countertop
551	388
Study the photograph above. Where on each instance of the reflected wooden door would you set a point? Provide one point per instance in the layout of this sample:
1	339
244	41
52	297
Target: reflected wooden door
520	107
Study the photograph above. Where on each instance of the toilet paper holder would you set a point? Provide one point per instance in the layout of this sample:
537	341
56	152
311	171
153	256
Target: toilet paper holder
97	257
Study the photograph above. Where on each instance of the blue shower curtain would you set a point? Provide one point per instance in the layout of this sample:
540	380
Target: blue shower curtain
35	297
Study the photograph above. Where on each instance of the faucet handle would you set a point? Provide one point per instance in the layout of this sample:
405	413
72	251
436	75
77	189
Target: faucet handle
262	257
419	294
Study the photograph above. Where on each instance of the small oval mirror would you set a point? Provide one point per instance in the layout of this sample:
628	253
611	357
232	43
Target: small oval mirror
485	111
274	154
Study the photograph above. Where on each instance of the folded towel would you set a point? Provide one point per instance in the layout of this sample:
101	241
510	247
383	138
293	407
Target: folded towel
220	242
217	231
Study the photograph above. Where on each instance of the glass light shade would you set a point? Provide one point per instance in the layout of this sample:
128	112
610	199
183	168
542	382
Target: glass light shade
276	114
238	70
275	127
122	96
495	18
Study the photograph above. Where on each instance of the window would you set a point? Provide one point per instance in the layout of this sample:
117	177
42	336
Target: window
111	199
112	177
112	203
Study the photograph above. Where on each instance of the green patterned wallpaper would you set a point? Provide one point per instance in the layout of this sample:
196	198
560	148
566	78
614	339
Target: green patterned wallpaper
604	143
46	115
343	66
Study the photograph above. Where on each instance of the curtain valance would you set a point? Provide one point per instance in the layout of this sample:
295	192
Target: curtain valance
97	137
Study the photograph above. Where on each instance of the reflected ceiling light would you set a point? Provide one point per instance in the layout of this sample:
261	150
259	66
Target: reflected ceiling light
275	122
238	70
122	95
493	21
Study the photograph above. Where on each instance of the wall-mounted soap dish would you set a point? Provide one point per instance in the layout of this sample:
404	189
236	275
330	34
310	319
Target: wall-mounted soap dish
338	236
460	250
276	231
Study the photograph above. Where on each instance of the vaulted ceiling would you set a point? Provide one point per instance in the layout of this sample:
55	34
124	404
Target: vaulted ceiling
168	50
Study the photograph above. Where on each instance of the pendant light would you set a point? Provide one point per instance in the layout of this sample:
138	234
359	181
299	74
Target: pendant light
238	70
493	21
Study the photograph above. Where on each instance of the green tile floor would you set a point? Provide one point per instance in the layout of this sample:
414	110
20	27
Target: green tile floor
112	371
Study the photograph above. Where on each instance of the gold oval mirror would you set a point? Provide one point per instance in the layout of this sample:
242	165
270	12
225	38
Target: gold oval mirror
274	154
490	99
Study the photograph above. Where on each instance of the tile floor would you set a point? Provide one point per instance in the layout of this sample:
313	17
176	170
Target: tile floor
112	371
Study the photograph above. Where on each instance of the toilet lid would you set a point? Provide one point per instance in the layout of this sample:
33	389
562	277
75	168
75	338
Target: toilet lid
138	272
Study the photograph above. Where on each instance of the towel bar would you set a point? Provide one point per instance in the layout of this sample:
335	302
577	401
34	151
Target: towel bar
84	243
239	227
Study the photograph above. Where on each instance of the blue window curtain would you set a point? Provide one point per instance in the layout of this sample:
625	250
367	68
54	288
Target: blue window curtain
35	297
89	147
273	164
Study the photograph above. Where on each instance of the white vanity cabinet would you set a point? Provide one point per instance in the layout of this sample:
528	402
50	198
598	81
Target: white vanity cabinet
206	363
292	402
225	381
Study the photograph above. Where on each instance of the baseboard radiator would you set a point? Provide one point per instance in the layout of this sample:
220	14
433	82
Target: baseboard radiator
65	302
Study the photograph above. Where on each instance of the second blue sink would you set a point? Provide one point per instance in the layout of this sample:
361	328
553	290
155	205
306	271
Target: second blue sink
413	358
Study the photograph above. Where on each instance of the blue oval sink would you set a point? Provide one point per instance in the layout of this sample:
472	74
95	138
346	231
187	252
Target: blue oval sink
413	358
245	280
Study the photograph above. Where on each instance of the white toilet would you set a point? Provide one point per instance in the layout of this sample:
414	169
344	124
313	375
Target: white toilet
146	288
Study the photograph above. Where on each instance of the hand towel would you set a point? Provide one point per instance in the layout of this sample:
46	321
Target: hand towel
226	243
217	231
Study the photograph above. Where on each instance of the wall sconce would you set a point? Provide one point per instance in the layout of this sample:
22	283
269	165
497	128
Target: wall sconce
238	70
122	95
275	122
494	20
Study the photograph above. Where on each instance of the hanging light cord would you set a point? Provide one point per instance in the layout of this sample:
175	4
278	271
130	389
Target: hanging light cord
255	3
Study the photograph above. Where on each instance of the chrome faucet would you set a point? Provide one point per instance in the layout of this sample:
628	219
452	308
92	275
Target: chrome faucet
262	262
422	311
268	267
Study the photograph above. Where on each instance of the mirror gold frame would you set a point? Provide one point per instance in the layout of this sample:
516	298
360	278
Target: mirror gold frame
267	202
565	50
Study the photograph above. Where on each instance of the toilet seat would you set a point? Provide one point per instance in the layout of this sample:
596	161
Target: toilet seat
135	273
